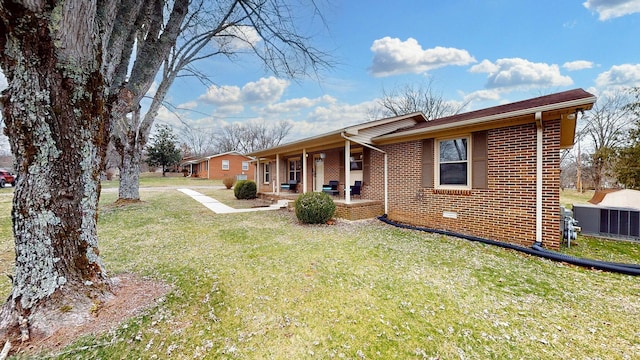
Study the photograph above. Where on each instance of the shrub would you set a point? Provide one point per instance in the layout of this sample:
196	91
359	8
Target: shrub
245	189
314	208
229	181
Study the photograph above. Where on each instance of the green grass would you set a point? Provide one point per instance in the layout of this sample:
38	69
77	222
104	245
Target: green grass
570	197
261	286
171	179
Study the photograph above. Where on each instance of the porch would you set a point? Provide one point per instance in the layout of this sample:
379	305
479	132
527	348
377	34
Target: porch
356	209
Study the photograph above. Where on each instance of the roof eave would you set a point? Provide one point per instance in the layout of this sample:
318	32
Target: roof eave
587	102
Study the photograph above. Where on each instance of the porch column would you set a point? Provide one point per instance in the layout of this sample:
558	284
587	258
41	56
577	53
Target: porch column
304	171
278	174
347	171
256	175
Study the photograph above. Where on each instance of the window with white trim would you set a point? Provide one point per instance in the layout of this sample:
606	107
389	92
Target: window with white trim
295	169
267	173
245	166
453	168
225	164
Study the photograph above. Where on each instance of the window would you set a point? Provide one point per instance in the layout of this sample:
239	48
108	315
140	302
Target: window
267	173
295	169
225	164
452	169
245	166
356	162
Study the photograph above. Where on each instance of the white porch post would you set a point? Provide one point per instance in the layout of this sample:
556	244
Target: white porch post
386	183
256	176
347	171
304	171
278	174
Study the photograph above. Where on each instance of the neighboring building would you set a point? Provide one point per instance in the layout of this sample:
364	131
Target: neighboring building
492	173
219	166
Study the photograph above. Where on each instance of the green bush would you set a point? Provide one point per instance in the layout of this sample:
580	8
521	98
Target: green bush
245	189
315	208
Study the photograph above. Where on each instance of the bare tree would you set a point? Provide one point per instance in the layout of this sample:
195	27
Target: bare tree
71	77
66	80
414	98
251	136
199	141
604	129
264	28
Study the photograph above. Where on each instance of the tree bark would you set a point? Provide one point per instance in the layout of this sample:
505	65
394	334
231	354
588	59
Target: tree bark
57	122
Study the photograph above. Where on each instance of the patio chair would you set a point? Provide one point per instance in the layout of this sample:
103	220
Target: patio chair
332	188
355	189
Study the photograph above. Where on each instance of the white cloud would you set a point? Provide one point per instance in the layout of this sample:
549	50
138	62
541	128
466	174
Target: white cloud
620	75
221	95
392	56
516	73
609	9
188	105
293	105
265	90
236	38
482	95
577	65
231	99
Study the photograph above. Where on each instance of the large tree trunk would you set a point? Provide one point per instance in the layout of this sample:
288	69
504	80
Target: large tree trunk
56	120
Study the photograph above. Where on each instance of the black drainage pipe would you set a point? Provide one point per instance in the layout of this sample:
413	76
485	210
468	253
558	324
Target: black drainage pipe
536	250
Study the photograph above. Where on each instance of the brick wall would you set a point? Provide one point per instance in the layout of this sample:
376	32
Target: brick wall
359	211
235	167
505	211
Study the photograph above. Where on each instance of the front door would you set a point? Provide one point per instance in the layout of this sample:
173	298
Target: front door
318	173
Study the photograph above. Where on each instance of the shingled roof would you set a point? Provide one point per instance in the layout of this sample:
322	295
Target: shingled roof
542	101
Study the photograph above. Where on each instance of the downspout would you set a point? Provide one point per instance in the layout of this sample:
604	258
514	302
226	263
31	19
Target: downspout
539	158
386	173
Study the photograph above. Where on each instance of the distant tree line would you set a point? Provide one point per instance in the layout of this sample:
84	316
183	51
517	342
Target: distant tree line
607	153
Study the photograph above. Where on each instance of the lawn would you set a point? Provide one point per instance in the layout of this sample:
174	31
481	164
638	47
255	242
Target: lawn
261	286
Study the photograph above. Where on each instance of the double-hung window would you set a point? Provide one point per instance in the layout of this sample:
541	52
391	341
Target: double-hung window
295	169
225	164
267	173
245	166
453	166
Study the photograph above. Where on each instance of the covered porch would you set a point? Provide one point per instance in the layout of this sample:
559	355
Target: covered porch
339	163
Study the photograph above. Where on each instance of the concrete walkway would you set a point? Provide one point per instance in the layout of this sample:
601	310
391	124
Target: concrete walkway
220	208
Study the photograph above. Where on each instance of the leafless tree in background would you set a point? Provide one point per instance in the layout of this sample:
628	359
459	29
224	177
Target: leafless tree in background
221	28
604	128
251	136
414	98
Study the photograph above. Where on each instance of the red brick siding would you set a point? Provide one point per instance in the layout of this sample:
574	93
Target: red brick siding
505	211
235	167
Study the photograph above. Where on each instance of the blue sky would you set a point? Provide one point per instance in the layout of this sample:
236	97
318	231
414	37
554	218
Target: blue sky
482	53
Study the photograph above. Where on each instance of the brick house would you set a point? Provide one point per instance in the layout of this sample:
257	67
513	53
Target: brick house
219	166
492	173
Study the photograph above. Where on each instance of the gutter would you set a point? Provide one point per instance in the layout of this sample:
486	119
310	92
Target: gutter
386	168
